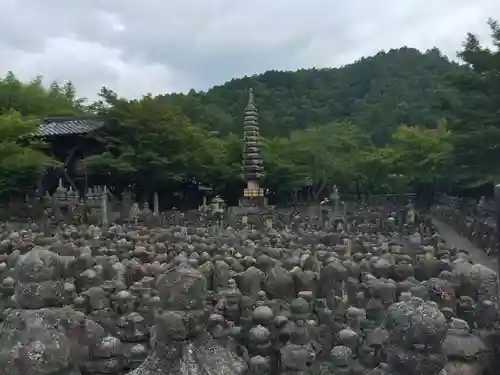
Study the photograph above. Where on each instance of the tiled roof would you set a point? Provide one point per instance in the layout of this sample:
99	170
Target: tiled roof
54	126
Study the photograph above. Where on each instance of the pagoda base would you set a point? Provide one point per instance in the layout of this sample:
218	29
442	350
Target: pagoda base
250	206
253	202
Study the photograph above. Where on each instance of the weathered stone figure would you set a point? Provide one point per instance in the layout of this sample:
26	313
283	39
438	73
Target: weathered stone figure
181	343
41	337
417	330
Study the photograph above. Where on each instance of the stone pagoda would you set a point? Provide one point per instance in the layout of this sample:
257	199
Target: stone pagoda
253	169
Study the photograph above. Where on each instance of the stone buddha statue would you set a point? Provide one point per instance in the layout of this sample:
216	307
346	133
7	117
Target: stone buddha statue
180	340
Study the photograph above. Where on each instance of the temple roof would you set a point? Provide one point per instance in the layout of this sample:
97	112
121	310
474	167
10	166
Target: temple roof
72	125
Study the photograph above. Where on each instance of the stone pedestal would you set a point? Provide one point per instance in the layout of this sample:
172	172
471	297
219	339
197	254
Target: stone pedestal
253	202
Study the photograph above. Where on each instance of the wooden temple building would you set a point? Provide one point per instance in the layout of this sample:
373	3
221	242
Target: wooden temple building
71	139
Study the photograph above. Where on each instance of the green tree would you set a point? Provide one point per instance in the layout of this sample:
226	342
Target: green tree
33	99
477	129
422	156
150	144
283	176
22	164
327	155
223	166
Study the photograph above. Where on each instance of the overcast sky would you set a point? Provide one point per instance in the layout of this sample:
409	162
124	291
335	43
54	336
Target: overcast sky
159	46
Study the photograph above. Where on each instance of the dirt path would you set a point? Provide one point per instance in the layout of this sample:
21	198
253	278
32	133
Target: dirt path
453	238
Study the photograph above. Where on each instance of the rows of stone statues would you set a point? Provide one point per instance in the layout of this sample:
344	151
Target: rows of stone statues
99	207
364	297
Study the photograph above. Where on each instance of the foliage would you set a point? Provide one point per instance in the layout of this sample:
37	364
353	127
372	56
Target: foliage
422	155
33	99
376	93
21	164
283	175
149	144
477	129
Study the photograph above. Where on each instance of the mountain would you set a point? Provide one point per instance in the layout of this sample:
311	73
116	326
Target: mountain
378	93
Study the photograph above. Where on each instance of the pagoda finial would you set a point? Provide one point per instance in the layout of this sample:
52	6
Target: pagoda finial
251	103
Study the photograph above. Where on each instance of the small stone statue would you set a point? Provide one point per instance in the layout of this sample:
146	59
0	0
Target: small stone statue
218	207
134	213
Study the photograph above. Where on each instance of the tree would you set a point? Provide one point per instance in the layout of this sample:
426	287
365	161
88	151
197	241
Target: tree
22	165
33	99
221	164
476	133
327	155
422	156
150	145
283	175
376	173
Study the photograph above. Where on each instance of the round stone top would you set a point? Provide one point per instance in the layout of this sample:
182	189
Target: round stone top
138	349
39	265
488	303
8	282
79	300
355	312
459	325
259	334
299	306
216	319
258	361
341	356
124	295
306	294
262	295
180	259
416	322
405	296
135	317
69	287
236	331
347	334
262	314
109	347
280	321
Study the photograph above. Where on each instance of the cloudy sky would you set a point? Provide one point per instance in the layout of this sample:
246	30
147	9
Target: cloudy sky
159	46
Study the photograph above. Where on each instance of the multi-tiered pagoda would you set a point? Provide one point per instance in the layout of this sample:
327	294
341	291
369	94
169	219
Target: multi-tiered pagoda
253	168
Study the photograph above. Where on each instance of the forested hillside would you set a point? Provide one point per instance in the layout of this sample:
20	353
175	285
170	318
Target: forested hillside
402	86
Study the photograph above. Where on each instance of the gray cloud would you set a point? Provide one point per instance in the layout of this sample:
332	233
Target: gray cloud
158	46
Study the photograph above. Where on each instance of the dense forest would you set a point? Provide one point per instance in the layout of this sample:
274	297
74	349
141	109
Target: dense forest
402	86
395	121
